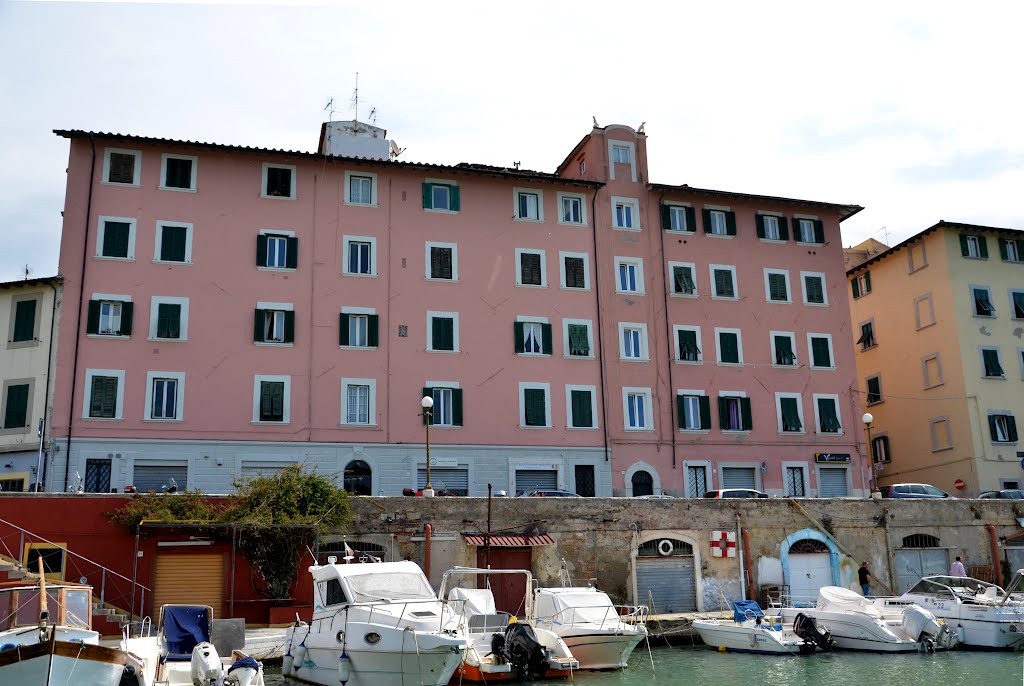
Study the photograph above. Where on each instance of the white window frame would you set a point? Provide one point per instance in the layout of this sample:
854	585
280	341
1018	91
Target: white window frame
734	394
839	414
583	208
714	213
644	394
810	351
371	410
110	298
159	239
709	475
929	382
792	342
974	309
363	311
718	346
539	321
1013	250
454	316
867	390
681	207
263	181
272	234
735	284
163	172
676	328
799	413
634	206
347	241
778	229
638	266
641	331
516	192
154	312
671	279
999	359
569	388
443	386
454	247
87	394
274	308
179	398
631	147
561	270
767	290
132	223
441	182
257	382
862	283
1002	413
373	189
546	387
1009	294
803	467
973	246
136	168
698	393
565	338
824	288
543	267
798	233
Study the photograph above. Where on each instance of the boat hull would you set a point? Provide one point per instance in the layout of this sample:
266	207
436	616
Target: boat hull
58	663
858	632
432	667
602	650
742	639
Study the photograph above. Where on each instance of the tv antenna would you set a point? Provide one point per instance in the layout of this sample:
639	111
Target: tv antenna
28	271
355	98
329	107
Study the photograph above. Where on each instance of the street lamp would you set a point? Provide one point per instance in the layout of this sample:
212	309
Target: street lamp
867	419
427	403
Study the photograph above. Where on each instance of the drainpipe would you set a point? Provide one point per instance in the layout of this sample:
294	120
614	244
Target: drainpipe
673	403
40	480
997	566
599	330
78	318
745	537
427	531
741	553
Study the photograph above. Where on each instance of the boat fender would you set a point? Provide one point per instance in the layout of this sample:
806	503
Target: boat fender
300	655
129	676
287	662
344	668
7	646
665	547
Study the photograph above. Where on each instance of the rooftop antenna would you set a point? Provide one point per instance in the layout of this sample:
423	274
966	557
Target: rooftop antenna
355	98
27	272
330	109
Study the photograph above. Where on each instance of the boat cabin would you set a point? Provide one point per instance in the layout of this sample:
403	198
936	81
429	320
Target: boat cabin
965	588
68	604
383	582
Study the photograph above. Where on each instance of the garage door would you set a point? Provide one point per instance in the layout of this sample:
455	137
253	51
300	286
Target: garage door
153	477
807	573
536	479
456	480
193	579
832	482
738	477
666	583
913	564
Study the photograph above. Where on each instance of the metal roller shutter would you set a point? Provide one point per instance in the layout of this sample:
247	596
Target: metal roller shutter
738	477
912	564
666	583
194	579
536	479
832	482
456	480
148	477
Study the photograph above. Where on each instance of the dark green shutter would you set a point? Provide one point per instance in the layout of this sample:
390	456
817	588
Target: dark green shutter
666	217
259	326
443	333
457	407
790	415
1002	248
16	414
291	252
92	322
680	411
783	229
261	250
705	411
1011	428
428	392
730	223
115	239
706	213
867	282
723	413
24	320
372	330
855	284
168	320
582	412
965	250
691	219
983	246
342	328
545	335
103	399
533	401
454	201
745	413
520	338
428	199
819	352
819	231
992	427
127	310
730	347
289	326
759	221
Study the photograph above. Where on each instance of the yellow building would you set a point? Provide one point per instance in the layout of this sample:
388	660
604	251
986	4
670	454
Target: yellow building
938	322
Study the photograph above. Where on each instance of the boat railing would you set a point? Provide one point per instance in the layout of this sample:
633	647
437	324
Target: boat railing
780	600
614	616
109	587
377	607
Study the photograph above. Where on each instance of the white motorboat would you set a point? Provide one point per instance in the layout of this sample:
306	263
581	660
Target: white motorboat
182	653
46	637
983	615
501	648
374	624
751	632
593	628
859	623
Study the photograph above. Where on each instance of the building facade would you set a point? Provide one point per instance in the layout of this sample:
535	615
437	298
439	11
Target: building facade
938	323
243	308
30	310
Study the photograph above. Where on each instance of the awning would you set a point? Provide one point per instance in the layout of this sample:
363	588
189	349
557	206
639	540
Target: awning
510	540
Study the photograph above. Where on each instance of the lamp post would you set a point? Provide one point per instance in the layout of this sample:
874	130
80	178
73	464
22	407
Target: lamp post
867	419
428	403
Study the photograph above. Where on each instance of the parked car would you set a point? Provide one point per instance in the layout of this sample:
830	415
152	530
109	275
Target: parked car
912	491
550	493
1008	494
734	493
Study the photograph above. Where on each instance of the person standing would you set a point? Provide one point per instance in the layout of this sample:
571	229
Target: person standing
864	576
957	568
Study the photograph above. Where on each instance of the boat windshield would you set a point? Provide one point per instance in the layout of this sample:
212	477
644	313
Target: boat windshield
392	586
957	585
594	608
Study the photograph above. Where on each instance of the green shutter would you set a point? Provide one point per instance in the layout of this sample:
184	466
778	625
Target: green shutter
428	200
706	213
259	326
1002	248
983	246
777	287
691	219
964	249
457	407
168	320
819	353
115	239
867	282
520	338
992	427
442	333
680	411
453	198
855	284
127	310
666	217
372	330
92	322
745	413
790	415
261	250
582	412
783	229
1011	428
342	329
705	411
291	252
730	223
24	320
546	333
16	413
759	221
428	392
819	231
723	414
729	348
533	402
289	326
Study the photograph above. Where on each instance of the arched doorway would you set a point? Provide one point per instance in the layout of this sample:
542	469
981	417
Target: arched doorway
919	556
358	478
643	483
665	576
810	560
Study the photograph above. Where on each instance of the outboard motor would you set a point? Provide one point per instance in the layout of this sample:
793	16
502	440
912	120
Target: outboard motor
921	623
243	672
524	652
498	648
206	666
806	628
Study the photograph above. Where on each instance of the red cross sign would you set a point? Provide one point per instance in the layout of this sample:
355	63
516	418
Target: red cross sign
723	544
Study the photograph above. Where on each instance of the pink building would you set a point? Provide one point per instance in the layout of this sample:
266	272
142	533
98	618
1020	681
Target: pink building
230	310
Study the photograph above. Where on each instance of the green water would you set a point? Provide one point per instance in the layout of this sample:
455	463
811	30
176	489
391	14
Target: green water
705	667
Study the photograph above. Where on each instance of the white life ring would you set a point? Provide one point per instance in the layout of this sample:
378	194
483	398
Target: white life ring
665	547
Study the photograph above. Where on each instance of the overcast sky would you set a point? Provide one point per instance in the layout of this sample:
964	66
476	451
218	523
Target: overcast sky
912	110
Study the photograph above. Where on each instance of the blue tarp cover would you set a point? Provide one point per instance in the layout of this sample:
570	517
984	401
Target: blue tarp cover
746	609
184	629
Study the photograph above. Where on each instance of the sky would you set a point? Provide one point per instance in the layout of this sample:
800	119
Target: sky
912	110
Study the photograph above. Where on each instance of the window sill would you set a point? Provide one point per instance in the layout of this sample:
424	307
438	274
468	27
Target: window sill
694	431
439	211
264	196
119	184
733	298
618	292
634	359
265	268
785	366
527	219
370	205
115	337
728	364
718	235
575	288
581	428
829	433
179	190
792	433
736	431
810	304
439	279
875	402
778	302
184	263
450	352
684	295
634	229
866	348
155	339
264	422
984	316
444	427
777	241
357	347
812	243
689	361
354	425
526	354
364	276
524	426
925	326
102	419
163	421
273	344
15	345
638	429
577	357
1001	377
822	369
943	449
581	225
115	259
1004	442
681	232
531	285
928	387
973	257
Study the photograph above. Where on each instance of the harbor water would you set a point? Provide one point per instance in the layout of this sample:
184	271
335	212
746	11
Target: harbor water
705	667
